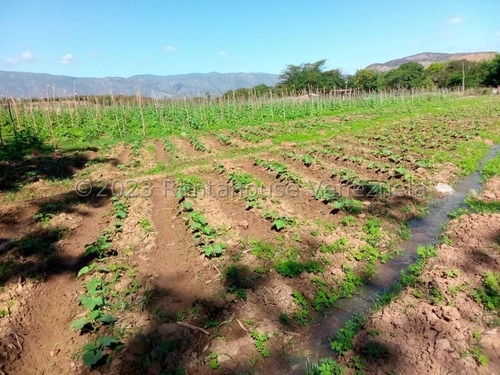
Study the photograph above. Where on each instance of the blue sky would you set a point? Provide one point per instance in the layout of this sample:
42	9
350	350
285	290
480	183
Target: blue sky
112	38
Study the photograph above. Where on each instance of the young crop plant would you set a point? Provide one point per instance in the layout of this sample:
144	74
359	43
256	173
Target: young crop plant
95	300
187	186
136	148
348	220
224	139
170	147
253	201
100	246
326	195
371	188
279	222
238	279
220	168
204	235
198	145
240	181
281	171
260	341
94	352
326	366
402	173
120	211
301	314
347	176
352	206
213	359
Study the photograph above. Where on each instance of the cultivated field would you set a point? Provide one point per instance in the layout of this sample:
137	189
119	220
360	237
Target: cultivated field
213	237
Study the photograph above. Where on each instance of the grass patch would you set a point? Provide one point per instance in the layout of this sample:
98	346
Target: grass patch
291	268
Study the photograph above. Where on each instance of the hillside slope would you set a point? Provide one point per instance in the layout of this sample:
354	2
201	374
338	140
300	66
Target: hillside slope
427	58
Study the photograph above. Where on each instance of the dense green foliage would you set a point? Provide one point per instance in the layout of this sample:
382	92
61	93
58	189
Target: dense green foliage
312	77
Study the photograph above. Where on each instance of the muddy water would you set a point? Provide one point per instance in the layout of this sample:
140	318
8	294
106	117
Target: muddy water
424	231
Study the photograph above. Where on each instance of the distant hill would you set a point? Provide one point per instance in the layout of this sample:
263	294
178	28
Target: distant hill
24	85
427	58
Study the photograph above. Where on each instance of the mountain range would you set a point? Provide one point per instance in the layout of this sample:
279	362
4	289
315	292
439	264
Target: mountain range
427	58
36	85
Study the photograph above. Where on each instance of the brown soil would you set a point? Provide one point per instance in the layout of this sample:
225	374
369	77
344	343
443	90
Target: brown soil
491	190
425	336
160	152
35	337
186	150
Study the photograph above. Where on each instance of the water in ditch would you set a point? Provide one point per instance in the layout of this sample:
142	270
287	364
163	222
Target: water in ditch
425	230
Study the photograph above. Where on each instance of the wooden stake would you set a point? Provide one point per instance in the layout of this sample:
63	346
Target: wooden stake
142	115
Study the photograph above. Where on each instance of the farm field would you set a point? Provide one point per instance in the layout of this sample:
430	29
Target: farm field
213	238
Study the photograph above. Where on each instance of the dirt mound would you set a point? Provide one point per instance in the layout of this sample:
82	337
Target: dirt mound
437	326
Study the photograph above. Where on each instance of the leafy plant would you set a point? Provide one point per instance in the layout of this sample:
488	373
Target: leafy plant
301	314
146	225
343	341
338	245
427	251
99	246
348	220
224	139
213	361
488	294
241	180
308	160
198	145
264	250
349	205
187	186
279	222
214	249
260	340
326	366
326	195
94	352
291	268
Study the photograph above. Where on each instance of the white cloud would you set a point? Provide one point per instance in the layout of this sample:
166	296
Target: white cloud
67	59
94	55
26	56
222	53
169	49
456	20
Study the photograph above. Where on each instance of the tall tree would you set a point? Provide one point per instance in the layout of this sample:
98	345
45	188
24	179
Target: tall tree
366	79
307	76
492	76
409	75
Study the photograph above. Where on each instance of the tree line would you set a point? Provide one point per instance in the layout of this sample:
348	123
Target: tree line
314	78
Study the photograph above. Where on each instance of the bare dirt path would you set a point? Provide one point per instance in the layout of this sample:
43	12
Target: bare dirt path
173	250
37	335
